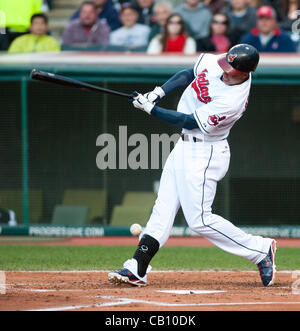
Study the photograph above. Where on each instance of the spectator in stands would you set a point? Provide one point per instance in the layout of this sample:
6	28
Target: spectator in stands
197	16
267	37
290	8
132	34
218	40
88	29
174	38
17	18
145	11
256	3
161	13
46	6
106	12
118	4
242	19
37	40
215	6
286	11
277	5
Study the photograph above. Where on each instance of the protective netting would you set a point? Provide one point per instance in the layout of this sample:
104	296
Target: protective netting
262	186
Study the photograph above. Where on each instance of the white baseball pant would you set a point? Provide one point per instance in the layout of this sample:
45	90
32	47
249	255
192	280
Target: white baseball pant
189	179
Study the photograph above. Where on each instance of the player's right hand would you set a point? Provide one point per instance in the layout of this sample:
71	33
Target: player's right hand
155	95
139	101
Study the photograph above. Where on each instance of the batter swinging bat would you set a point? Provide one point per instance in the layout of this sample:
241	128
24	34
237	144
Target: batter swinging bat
65	81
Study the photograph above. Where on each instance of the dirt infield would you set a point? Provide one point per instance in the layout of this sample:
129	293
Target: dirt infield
236	290
198	290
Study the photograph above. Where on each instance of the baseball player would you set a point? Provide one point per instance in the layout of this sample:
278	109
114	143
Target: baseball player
216	96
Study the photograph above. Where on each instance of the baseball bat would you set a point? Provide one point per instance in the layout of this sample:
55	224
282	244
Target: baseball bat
65	81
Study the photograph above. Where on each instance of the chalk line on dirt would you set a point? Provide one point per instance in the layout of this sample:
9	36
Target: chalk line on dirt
128	301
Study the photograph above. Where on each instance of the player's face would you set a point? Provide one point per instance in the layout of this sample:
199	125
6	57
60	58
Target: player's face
226	67
39	26
234	79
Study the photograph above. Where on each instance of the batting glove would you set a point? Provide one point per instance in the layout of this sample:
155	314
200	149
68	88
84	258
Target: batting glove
155	95
141	102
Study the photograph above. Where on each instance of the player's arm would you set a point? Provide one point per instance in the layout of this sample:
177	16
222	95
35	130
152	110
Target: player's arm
170	116
181	120
181	79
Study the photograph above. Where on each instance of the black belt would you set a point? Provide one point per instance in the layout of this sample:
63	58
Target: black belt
186	137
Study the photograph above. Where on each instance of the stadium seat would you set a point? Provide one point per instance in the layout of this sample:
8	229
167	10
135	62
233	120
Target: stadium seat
13	200
95	200
136	208
69	215
127	215
136	198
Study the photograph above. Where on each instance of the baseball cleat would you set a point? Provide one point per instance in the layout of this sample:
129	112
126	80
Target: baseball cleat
125	276
129	274
267	267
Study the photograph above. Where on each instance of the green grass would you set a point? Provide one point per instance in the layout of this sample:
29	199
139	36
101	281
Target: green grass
38	257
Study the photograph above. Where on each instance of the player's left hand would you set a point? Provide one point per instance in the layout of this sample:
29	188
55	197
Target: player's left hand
155	95
141	102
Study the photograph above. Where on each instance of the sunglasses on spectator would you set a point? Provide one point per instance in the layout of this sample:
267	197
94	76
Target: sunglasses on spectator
219	22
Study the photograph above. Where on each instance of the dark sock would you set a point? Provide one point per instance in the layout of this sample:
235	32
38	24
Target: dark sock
148	247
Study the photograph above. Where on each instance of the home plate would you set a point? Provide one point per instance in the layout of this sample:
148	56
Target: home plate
189	291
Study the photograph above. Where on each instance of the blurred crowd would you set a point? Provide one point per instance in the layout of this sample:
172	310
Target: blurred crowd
154	26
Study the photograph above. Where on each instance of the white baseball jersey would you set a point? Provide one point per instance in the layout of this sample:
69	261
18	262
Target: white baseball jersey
216	106
194	168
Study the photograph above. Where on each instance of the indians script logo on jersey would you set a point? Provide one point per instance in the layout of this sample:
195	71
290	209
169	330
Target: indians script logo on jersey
214	120
200	85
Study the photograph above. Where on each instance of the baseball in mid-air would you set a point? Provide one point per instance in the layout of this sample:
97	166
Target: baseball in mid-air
135	229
